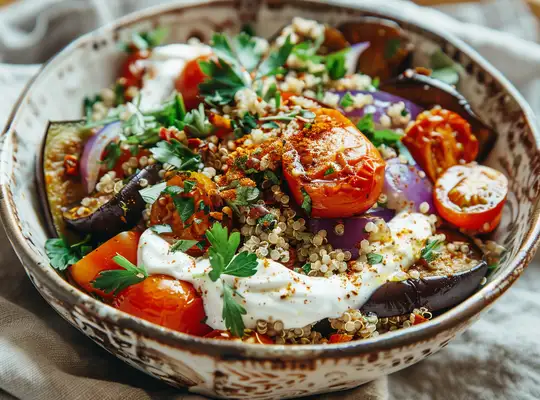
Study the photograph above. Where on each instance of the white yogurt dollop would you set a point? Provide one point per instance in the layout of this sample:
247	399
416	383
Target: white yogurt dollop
162	68
277	293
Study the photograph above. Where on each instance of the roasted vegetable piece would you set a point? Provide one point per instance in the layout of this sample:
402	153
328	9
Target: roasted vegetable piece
389	48
120	213
440	139
101	259
252	337
131	71
188	82
429	92
332	169
57	188
471	196
447	280
165	301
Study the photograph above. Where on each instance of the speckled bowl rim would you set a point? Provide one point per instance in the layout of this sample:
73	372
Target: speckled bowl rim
238	350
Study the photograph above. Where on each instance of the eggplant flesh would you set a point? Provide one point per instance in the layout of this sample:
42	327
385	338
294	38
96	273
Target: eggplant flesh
435	292
428	92
122	212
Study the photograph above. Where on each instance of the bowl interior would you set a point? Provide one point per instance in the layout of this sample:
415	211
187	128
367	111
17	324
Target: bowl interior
91	63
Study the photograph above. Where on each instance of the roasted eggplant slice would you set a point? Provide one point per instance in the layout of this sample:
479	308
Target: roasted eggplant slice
389	51
118	214
444	282
428	92
58	182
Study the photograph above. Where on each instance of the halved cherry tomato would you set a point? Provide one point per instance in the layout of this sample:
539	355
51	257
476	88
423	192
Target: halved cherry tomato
471	196
439	139
125	156
165	301
188	81
334	164
252	337
131	70
87	269
418	319
340	338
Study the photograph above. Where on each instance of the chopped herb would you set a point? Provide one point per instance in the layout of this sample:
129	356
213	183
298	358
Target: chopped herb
431	250
270	125
404	112
306	268
223	83
135	124
163	228
182	245
114	281
112	154
374	258
444	68
391	48
277	100
320	94
248	29
447	75
307	125
119	94
272	65
270	92
197	123
246	195
88	107
347	100
493	267
246	51
329	171
176	154
384	136
306	204
147	40
336	65
151	194
366	124
375	82
307	114
62	255
232	311
189	185
245	125
267	220
185	206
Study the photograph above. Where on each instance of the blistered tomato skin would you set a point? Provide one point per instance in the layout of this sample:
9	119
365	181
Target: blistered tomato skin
471	196
165	301
88	268
440	139
188	82
335	164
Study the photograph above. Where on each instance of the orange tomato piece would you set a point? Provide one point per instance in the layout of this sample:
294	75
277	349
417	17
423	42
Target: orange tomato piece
335	164
165	301
252	337
340	338
439	139
131	70
88	268
471	196
188	81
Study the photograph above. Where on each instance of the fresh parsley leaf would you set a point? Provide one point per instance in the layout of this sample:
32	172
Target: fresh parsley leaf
176	154
114	281
329	171
347	100
185	206
306	268
391	48
384	136
307	114
222	47
112	154
270	92
273	63
375	82
366	124
267	220
189	185
182	245
60	254
242	265
439	59
163	228
374	258
336	64
245	47
222	248
197	122
88	107
147	40
119	94
223	83
431	250
244	125
232	311
246	195
151	194
270	125
306	204
447	75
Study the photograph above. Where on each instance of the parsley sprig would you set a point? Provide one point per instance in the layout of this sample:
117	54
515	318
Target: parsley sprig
223	260
384	136
116	280
431	250
62	255
176	154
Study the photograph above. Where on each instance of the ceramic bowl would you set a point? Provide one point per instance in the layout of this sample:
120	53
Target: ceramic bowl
230	369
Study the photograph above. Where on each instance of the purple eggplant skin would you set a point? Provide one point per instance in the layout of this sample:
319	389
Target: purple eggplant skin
428	92
433	292
119	214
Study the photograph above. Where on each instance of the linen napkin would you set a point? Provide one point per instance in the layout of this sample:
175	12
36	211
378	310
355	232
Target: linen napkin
43	357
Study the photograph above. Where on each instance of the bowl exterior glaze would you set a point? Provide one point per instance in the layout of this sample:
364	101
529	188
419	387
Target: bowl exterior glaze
230	369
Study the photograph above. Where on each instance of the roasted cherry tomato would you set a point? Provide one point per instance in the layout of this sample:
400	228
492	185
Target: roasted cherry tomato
188	81
340	338
165	301
131	70
87	269
334	164
439	139
252	337
471	196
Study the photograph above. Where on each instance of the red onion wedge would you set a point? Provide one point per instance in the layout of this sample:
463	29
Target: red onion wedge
406	187
93	150
352	56
381	102
353	228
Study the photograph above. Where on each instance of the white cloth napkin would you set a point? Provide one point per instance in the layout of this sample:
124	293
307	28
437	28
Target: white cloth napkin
41	357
